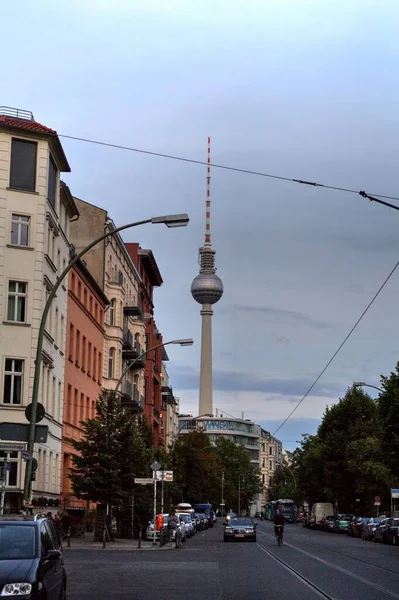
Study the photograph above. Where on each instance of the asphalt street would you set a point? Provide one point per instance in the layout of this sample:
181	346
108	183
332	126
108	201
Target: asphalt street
310	565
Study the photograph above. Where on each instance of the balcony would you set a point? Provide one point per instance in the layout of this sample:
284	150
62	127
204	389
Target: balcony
127	340
131	397
167	395
133	308
131	351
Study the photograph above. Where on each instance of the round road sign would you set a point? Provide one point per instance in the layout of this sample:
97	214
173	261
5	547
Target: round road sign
40	412
377	499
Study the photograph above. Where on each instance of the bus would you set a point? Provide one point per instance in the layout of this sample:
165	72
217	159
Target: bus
288	509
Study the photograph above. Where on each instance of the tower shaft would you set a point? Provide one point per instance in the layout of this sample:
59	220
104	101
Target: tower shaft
205	388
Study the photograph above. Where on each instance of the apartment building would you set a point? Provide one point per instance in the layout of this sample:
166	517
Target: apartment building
170	410
36	209
116	274
83	365
150	276
271	455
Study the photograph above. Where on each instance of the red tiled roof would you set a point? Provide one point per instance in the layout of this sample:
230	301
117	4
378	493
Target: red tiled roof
25	125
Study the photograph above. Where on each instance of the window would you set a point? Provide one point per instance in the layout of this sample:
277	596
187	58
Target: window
111	363
12	474
71	340
62	333
16	308
94	363
112	311
271	450
85	298
83	353
77	355
52	182
263	478
13	373
59	260
46	541
56	334
120	278
91	305
79	290
270	465
100	367
89	359
23	165
73	282
20	230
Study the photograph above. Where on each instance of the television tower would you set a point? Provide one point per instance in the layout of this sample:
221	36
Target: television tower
207	289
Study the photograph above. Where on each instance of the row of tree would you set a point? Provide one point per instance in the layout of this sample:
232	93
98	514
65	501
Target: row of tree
116	447
354	456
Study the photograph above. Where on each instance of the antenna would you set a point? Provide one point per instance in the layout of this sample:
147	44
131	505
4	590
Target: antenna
208	198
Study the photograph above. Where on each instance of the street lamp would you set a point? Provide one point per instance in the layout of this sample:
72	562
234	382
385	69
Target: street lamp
180	220
183	342
359	384
290	470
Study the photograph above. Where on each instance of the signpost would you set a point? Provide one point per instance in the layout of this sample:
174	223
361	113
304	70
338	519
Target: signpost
155	466
10	447
377	503
143	480
394	496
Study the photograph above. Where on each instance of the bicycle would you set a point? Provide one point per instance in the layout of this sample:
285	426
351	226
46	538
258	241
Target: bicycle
279	534
175	536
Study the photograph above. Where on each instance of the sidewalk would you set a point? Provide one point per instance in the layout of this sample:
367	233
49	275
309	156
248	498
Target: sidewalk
86	543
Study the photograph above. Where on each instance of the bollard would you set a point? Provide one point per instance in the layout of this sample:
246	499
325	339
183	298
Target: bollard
140	533
69	537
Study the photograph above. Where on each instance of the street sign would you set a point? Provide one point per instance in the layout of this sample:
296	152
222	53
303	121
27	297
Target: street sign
26	455
7	466
155	466
377	499
164	475
377	503
143	480
20	432
395	493
10	447
40	412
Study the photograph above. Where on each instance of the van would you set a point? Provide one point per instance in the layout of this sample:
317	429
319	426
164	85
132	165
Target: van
319	509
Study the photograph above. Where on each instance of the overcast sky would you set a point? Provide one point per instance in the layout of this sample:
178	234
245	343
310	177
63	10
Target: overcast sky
306	89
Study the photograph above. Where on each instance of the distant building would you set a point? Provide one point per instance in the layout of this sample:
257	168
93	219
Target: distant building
36	210
83	364
271	455
170	411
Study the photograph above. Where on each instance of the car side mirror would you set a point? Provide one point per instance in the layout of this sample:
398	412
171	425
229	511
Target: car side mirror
53	555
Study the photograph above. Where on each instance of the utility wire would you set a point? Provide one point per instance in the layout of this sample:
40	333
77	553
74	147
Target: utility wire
370	197
339	348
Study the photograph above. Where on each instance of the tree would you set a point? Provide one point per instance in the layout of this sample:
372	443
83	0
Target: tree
388	409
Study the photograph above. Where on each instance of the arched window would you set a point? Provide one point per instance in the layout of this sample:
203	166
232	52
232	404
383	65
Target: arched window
111	363
112	312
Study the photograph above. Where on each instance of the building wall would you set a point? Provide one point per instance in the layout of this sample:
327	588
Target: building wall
37	265
83	365
270	456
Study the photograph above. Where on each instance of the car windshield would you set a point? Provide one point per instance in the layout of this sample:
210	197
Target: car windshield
185	518
363	520
17	542
239	521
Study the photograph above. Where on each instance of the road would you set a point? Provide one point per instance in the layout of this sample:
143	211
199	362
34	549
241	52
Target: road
310	565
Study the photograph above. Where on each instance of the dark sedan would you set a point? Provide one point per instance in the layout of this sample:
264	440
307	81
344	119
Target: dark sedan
240	528
31	561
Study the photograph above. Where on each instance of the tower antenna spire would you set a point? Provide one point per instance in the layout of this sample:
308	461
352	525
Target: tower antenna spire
208	198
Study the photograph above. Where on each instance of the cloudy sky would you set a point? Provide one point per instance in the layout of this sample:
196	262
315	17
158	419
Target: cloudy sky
305	89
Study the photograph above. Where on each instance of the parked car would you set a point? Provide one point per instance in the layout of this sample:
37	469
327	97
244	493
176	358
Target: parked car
300	517
327	523
341	523
370	527
204	521
188	526
356	525
380	534
198	521
392	533
319	510
31	559
240	528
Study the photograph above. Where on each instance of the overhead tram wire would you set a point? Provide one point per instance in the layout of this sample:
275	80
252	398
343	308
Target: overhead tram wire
371	197
338	349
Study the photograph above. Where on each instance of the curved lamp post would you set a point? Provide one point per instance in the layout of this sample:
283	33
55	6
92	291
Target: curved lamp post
359	384
184	342
290	470
170	221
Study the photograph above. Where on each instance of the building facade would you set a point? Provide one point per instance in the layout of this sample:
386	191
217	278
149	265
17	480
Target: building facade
125	328
170	411
83	363
240	431
35	213
271	455
151	278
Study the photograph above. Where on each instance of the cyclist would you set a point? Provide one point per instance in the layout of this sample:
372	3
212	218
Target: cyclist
173	524
279	524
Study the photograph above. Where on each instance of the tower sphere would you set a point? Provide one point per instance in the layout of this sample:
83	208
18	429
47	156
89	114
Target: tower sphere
207	288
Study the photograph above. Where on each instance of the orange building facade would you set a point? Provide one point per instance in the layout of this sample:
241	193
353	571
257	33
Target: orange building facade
83	364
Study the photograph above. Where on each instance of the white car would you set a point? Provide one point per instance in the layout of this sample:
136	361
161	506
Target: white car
150	528
187	523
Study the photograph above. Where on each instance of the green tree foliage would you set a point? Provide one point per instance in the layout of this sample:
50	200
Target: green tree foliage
344	461
199	467
388	408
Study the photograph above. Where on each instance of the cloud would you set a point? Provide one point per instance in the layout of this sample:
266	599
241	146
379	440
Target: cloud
279	314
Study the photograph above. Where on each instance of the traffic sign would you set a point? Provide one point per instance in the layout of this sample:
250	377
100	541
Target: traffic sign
155	466
10	447
377	503
26	455
395	493
40	412
377	499
7	466
164	475
20	432
143	480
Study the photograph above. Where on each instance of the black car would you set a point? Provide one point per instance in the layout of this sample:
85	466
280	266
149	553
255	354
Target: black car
31	560
240	528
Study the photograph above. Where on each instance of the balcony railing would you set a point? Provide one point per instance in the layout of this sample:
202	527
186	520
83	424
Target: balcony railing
16	113
131	397
133	308
127	340
132	353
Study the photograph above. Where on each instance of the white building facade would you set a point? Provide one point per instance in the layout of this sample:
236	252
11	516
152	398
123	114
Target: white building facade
35	213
